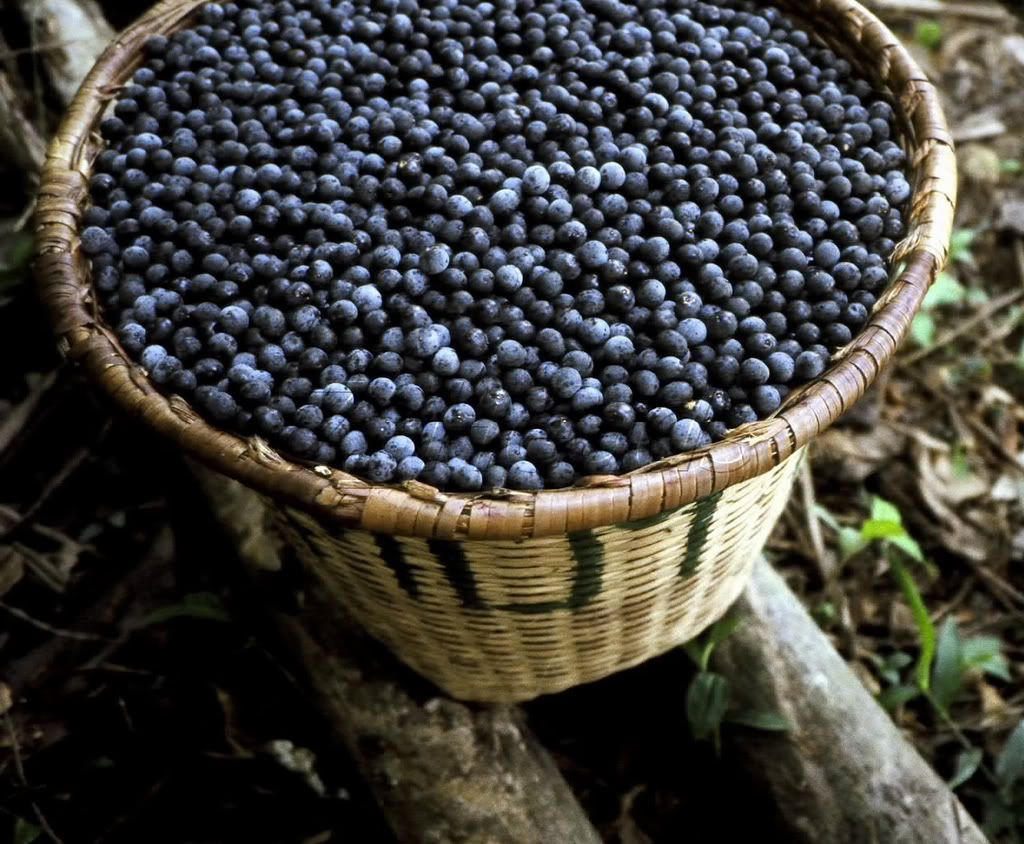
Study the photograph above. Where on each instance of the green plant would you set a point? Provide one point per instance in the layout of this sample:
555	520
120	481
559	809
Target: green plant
947	289
886	525
25	832
929	34
708	696
961	242
1004	801
896	691
957	658
15	264
959	463
850	541
946	660
197	605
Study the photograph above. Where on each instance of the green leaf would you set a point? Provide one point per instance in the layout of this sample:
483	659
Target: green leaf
922	329
759	719
20	255
850	543
960	243
25	832
885	511
850	540
877	529
948	670
719	632
908	545
891	668
707	700
925	628
1010	761
199	605
17	256
945	291
825	614
985	653
928	34
701	648
967	762
894	697
1011	166
898	660
694	650
824	515
887	523
999	816
959	465
977	296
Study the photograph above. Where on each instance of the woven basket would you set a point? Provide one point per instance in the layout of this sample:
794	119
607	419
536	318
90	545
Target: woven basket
506	595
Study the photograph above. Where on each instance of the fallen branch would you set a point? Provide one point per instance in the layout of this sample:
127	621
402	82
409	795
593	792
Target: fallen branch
74	33
441	771
995	306
20	142
99	629
842	772
975	10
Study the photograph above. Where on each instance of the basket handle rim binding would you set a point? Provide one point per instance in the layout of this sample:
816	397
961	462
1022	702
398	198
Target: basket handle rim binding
418	509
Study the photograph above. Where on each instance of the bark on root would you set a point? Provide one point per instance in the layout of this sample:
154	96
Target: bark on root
843	772
443	772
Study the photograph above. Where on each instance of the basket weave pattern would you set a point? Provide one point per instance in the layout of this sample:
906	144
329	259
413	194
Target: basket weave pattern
504	620
443	578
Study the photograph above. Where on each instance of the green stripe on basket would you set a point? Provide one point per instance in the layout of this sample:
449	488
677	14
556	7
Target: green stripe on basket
391	554
457	570
649	522
588	562
588	555
697	537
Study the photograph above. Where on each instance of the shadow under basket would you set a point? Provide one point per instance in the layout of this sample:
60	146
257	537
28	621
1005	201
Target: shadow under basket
504	596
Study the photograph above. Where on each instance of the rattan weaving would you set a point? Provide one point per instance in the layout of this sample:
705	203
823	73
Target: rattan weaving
505	595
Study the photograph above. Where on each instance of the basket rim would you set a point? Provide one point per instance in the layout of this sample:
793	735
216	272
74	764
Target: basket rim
418	509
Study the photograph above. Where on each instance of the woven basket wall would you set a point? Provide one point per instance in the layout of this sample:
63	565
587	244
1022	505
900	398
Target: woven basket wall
502	596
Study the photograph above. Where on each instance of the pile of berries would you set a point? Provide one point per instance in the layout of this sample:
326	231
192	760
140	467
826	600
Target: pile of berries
491	244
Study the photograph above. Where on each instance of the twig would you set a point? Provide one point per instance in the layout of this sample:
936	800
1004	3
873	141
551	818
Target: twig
827	565
12	568
986	434
950	606
1001	331
40	565
22	143
59	562
133	811
49	628
136	594
68	469
991	12
13	52
826	568
14	423
965	327
19	770
980	130
79	25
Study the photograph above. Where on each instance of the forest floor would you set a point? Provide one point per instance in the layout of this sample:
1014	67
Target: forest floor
142	699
